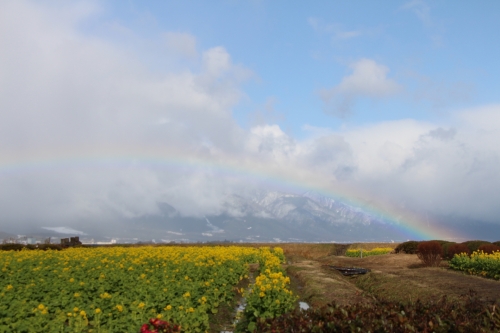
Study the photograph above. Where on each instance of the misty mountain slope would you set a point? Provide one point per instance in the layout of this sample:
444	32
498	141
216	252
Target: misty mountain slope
266	216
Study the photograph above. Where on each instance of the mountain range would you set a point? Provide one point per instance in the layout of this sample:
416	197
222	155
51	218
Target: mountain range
267	217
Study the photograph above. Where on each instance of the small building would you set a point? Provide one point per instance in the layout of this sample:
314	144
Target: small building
72	241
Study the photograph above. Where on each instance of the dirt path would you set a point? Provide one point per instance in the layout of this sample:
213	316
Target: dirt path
319	286
398	277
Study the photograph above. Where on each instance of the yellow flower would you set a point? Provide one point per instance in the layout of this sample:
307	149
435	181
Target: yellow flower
71	280
70	314
159	316
9	287
75	309
105	295
77	295
191	310
262	294
119	308
168	307
186	294
41	307
141	305
97	311
83	313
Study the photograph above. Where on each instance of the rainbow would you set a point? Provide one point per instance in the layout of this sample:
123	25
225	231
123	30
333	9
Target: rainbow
268	174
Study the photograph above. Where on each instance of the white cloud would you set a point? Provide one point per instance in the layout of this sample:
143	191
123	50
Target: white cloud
270	141
181	42
368	79
70	96
89	133
334	29
65	230
421	10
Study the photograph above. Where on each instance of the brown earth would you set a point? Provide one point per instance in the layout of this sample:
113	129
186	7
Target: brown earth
396	277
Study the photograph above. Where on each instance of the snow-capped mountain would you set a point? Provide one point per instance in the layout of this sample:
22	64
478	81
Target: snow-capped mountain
269	216
299	209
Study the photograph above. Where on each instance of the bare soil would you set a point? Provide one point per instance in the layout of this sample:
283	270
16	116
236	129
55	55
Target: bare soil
396	277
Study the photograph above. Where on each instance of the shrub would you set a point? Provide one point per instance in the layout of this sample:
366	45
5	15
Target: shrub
496	243
340	249
456	249
409	247
19	247
489	248
11	247
445	245
430	253
474	245
441	316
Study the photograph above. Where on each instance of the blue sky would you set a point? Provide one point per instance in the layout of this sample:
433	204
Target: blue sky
442	54
109	108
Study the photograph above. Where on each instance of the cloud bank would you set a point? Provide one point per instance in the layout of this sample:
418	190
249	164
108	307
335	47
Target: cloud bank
90	133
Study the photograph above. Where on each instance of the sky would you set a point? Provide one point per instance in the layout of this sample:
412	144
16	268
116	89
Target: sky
109	108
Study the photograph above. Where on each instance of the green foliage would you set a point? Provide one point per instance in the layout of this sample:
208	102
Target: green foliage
478	263
409	247
269	296
442	316
118	289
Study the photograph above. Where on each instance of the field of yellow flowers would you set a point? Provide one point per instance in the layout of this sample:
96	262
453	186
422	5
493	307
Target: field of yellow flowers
478	263
376	251
117	289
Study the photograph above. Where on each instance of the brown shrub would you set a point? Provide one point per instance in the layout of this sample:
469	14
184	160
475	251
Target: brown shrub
474	245
489	248
430	253
457	249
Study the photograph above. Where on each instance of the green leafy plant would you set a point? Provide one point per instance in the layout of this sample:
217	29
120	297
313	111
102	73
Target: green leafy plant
478	263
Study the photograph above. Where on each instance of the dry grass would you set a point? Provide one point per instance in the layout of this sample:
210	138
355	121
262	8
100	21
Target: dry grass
317	251
371	246
309	251
319	286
